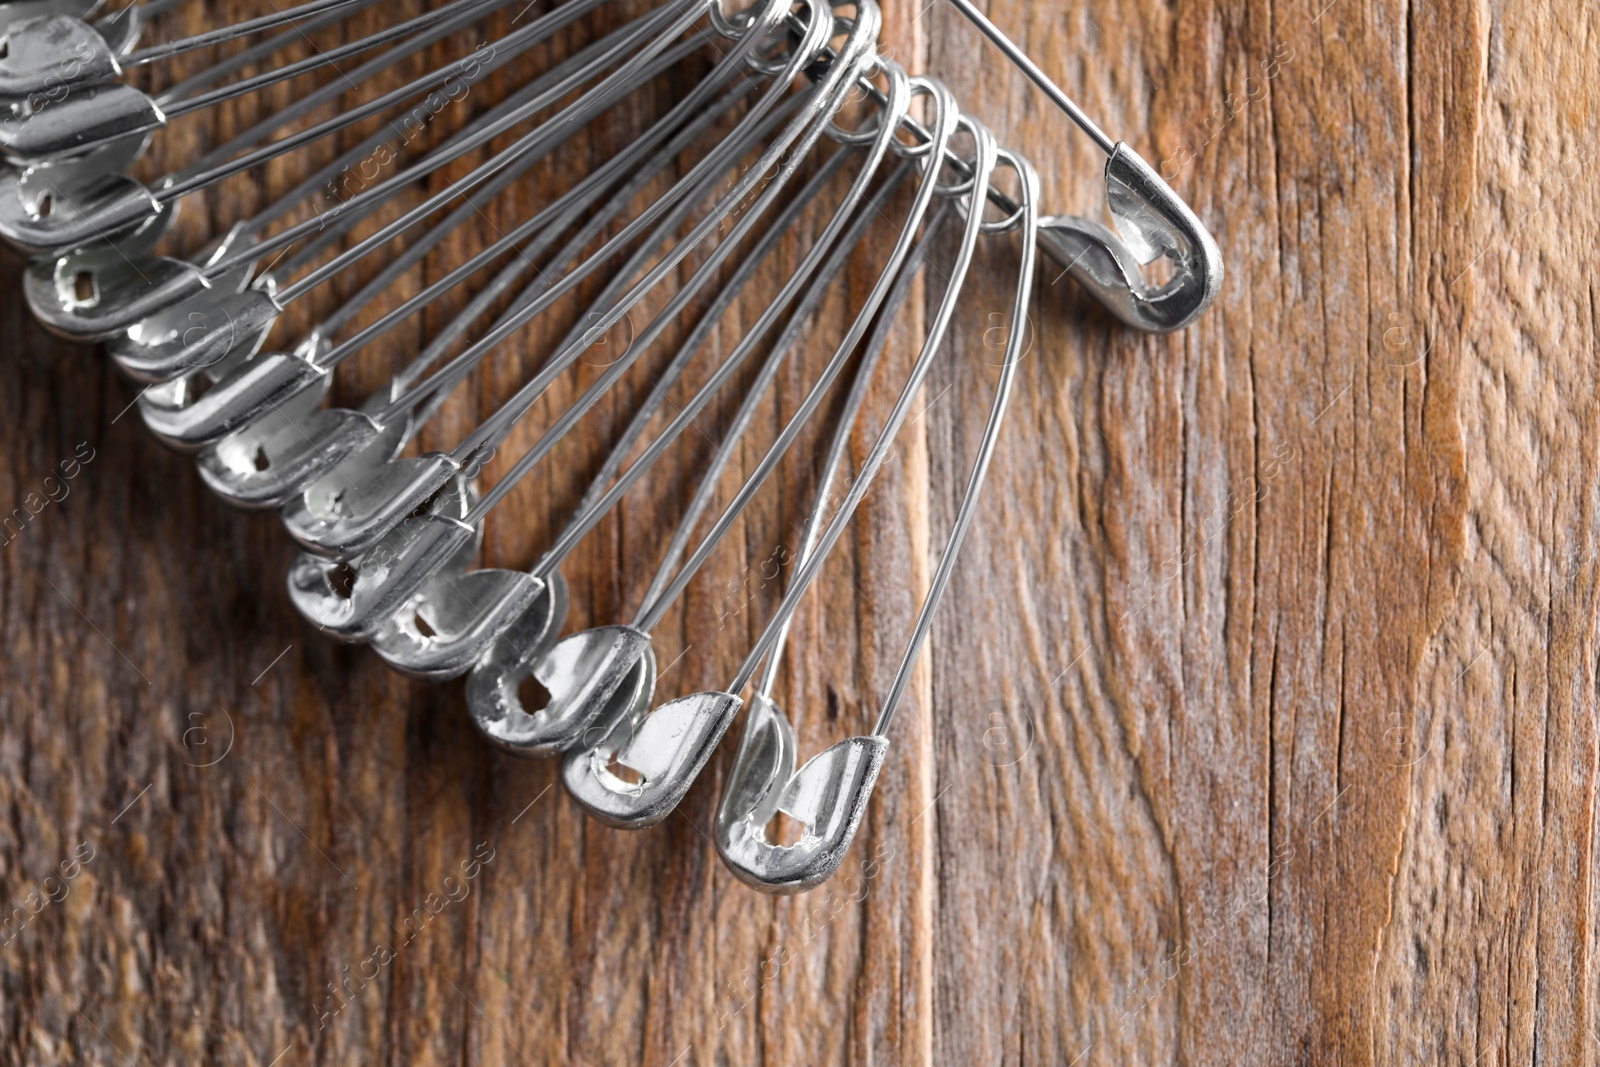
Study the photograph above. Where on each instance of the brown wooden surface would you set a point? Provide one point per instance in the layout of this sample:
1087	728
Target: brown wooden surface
1259	725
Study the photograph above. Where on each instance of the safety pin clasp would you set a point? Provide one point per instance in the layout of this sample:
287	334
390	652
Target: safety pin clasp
88	119
187	423
354	606
38	217
1151	222
47	58
341	516
94	294
663	751
828	795
443	629
582	674
209	329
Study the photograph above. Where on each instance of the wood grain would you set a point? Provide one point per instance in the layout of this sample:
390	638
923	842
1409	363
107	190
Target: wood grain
1259	725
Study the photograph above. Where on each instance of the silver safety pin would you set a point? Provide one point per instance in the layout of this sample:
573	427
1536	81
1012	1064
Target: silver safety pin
828	795
1151	222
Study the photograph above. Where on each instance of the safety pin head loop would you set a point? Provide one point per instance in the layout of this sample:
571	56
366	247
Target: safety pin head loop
800	30
222	325
97	292
962	190
339	517
186	419
739	23
80	173
892	109
94	294
38	217
921	147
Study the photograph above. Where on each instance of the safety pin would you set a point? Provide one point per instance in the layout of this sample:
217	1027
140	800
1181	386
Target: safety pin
829	794
1151	221
645	759
648	758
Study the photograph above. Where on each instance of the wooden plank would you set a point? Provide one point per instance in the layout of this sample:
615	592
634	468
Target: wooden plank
1258	725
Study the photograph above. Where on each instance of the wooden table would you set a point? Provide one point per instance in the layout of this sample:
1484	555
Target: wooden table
1259	725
